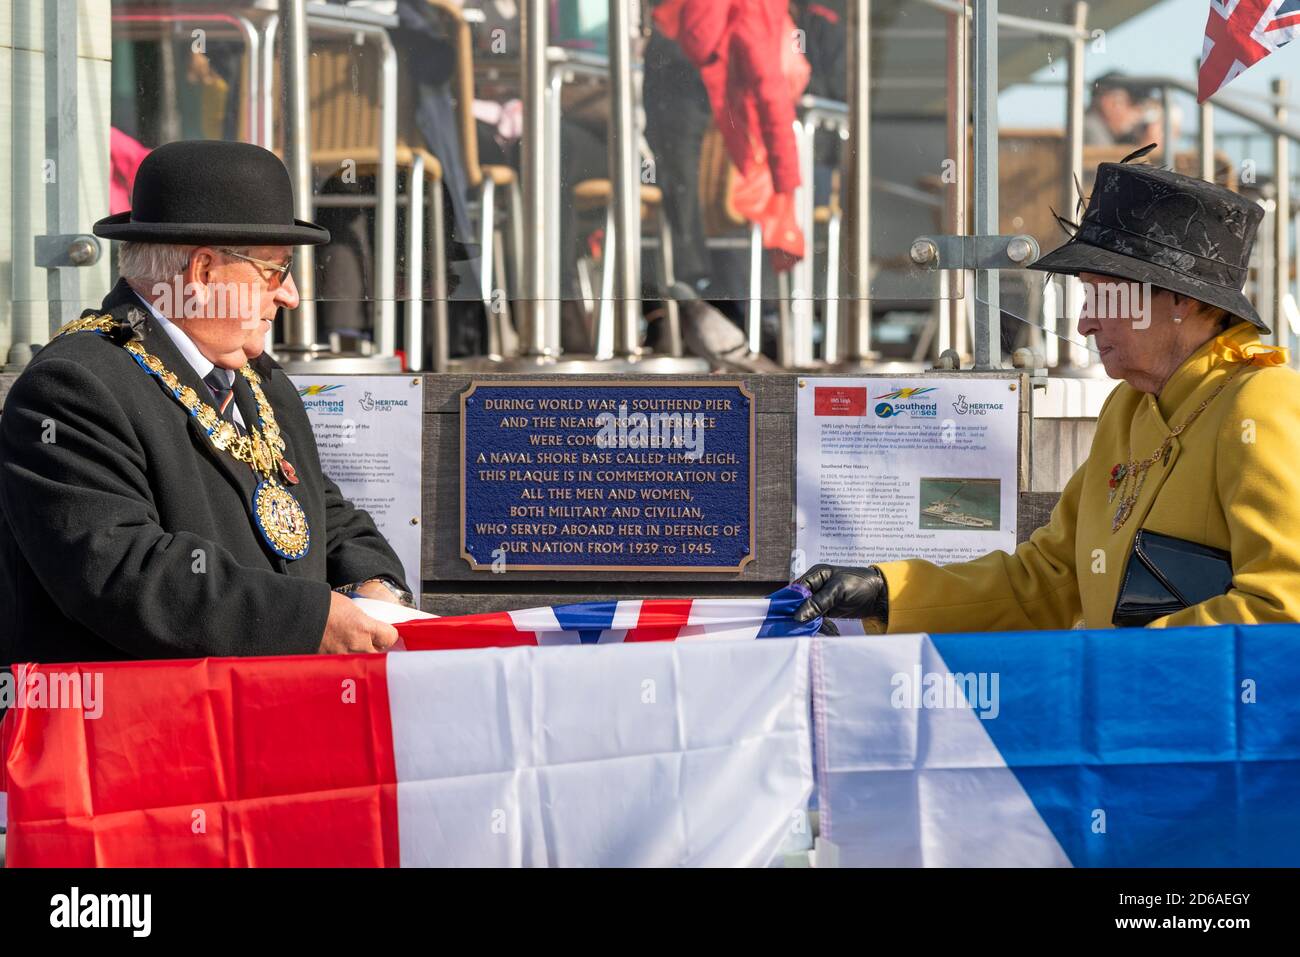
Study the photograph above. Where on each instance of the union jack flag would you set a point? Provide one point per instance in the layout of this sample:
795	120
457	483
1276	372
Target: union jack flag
1240	33
615	622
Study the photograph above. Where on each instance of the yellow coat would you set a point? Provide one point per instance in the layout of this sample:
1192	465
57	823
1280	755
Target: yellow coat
1231	481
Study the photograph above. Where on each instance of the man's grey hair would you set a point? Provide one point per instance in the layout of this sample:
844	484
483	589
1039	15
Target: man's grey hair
149	263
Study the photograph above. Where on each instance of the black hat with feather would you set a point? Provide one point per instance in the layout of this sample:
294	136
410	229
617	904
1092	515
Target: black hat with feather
1152	225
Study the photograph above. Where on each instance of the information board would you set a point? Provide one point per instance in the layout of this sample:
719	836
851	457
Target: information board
905	468
369	432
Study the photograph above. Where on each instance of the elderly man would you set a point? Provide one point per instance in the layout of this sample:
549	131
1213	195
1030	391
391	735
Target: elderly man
160	490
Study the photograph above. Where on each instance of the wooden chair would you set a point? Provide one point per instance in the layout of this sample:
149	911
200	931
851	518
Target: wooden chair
721	219
484	181
345	132
597	196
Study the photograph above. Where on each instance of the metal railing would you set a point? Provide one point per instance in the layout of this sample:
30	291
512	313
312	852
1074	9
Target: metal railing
847	324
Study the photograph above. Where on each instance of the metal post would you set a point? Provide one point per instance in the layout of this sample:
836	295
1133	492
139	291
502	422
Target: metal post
441	311
548	333
624	170
300	328
62	282
386	210
1168	148
1205	124
169	118
988	312
533	29
1075	90
252	77
804	273
1265	263
1283	310
415	219
952	314
754	310
266	115
856	342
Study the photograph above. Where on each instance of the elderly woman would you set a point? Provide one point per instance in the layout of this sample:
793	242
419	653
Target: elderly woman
1187	511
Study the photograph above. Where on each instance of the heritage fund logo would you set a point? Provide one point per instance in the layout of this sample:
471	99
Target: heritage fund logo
369	403
977	691
75	909
962	407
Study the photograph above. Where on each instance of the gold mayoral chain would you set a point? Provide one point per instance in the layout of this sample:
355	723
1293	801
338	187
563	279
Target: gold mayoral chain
1127	479
277	514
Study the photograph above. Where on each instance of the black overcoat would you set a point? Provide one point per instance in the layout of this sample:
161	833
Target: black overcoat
125	534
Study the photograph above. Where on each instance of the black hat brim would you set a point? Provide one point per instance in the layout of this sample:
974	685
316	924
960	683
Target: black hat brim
122	228
1075	257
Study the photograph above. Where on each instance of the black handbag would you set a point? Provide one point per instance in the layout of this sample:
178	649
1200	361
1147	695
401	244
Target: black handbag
1166	574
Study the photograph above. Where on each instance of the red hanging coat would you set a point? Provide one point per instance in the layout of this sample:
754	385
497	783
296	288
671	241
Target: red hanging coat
745	51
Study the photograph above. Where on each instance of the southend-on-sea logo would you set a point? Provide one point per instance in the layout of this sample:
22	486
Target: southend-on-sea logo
903	402
313	399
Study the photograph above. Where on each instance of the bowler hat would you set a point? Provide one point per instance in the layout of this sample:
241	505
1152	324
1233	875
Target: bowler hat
212	191
1176	232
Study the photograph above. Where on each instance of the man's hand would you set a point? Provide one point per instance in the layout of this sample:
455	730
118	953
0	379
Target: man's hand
839	592
378	591
349	630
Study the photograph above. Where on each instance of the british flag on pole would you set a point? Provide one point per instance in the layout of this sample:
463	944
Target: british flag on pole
1240	33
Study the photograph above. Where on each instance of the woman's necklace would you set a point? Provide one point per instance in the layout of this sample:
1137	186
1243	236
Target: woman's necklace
1127	479
277	514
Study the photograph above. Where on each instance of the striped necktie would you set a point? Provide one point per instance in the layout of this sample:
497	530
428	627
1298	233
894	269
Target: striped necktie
224	393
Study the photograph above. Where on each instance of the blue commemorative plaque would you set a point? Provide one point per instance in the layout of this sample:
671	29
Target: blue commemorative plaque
619	475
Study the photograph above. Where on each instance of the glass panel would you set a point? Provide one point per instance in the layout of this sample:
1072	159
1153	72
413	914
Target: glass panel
421	103
55	56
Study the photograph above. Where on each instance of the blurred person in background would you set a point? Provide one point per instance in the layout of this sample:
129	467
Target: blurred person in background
735	65
1118	112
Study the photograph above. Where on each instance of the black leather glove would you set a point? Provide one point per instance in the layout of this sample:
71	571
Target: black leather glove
840	592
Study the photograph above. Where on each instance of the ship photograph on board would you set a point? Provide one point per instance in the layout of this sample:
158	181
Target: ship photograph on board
953	503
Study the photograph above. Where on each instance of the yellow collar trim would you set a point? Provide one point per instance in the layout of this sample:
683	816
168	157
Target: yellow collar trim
1256	353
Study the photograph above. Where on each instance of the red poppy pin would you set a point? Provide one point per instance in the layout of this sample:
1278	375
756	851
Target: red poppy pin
290	474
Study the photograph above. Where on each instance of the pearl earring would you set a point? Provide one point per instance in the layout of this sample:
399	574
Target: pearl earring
1177	318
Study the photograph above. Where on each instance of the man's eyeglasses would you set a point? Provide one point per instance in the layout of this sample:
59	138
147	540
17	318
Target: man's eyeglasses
281	269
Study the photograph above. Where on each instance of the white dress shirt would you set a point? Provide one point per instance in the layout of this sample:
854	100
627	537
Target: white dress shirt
197	360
